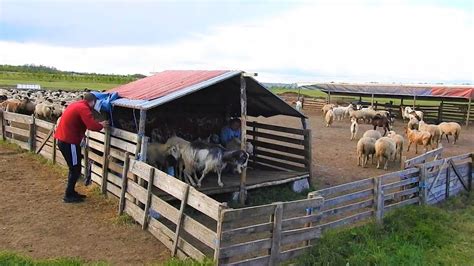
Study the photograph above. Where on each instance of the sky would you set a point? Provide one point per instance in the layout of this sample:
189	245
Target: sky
283	41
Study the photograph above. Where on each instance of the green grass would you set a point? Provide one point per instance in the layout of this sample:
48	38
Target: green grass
8	258
67	85
14	259
415	235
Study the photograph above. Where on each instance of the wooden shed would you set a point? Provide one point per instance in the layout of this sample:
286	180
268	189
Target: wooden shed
194	104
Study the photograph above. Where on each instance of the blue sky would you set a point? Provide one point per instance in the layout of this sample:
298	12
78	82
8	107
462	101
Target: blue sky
361	40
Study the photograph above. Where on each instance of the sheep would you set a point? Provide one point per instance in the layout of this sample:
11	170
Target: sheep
413	123
44	110
157	154
399	142
418	114
418	138
450	128
329	117
385	148
365	148
326	108
372	134
433	130
340	112
354	128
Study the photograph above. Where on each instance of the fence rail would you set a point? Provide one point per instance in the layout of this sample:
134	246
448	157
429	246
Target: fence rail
191	224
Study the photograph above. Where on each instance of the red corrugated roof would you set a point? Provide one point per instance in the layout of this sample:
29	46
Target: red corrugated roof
164	83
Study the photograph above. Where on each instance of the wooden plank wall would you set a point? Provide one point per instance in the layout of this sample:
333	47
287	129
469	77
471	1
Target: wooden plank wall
187	224
279	148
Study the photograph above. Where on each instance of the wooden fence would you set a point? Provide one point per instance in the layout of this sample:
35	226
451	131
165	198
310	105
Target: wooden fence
435	113
191	224
280	148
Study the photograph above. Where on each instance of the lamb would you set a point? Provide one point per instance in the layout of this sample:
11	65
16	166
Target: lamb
399	142
385	148
354	128
433	130
365	148
326	108
329	117
450	128
408	113
372	134
418	138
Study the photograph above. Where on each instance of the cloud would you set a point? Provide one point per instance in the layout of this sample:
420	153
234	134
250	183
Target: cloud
318	42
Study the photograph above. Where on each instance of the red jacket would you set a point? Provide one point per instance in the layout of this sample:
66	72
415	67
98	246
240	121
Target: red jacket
76	118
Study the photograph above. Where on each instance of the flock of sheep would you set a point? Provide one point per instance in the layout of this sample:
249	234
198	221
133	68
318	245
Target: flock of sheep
44	104
386	147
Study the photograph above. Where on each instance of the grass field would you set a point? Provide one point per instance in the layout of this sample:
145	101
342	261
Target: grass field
414	235
66	85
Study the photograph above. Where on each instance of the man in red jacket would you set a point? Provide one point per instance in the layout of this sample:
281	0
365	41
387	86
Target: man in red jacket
71	129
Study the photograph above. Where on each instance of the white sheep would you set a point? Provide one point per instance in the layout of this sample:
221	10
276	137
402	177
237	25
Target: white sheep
385	148
450	128
354	128
372	134
399	143
413	123
365	148
329	117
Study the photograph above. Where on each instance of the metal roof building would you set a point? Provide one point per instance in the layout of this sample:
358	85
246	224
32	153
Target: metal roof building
461	92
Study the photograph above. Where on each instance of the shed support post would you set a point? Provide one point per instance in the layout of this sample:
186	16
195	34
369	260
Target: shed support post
2	125
329	97
141	134
414	101
468	115
372	101
243	136
308	149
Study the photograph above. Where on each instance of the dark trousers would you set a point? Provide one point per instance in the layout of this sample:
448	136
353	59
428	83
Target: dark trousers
72	155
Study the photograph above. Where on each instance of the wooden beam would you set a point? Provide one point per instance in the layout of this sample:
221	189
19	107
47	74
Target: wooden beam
179	222
468	112
276	234
146	216
50	133
32	136
243	137
414	101
124	183
105	160
378	200
372	100
2	125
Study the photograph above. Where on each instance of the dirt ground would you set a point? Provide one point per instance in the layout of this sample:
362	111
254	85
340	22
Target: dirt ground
34	221
334	154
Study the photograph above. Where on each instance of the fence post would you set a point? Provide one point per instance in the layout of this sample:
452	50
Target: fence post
276	234
146	216
124	182
32	137
308	154
378	200
217	242
440	112
180	220
105	160
86	155
469	172
2	123
402	162
54	151
309	211
448	180
468	112
422	191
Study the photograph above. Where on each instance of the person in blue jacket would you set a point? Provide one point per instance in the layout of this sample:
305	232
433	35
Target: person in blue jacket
231	131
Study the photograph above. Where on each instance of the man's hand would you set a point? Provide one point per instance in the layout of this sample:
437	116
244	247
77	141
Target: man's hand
105	123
